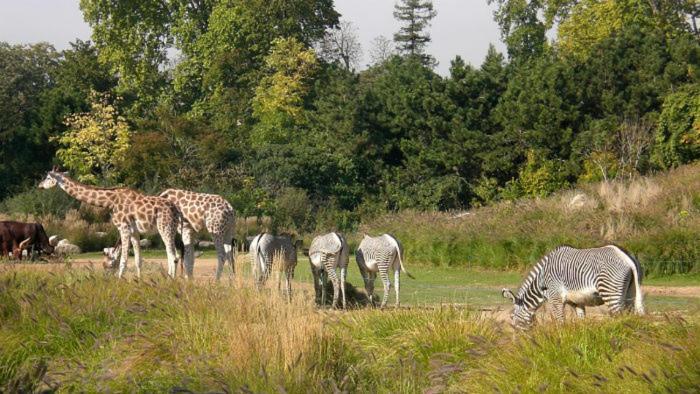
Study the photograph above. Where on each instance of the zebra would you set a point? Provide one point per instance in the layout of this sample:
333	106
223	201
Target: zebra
379	254
328	252
579	277
265	250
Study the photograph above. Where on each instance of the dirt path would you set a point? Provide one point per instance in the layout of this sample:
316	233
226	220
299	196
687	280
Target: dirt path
205	270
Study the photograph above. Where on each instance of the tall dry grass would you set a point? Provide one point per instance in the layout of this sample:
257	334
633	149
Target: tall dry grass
72	330
656	218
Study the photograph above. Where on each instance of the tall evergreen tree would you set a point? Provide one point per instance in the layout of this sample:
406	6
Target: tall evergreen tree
412	37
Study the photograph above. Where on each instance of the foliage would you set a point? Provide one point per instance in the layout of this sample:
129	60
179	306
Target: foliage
96	143
412	38
278	100
678	133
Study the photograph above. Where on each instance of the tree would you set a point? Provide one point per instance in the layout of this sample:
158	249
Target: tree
678	132
412	37
96	142
382	50
278	101
26	74
341	45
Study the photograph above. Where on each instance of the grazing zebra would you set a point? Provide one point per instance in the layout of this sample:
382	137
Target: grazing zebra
379	254
265	250
579	277
328	252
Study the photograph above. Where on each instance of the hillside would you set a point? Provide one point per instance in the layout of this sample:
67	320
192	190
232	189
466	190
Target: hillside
656	218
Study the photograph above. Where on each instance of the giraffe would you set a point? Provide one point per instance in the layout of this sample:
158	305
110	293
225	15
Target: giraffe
132	213
209	211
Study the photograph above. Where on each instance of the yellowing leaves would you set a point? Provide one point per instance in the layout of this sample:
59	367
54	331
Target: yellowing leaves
96	142
279	97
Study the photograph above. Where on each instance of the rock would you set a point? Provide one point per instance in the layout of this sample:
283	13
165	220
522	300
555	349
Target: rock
101	234
63	242
198	253
53	240
66	248
145	243
205	244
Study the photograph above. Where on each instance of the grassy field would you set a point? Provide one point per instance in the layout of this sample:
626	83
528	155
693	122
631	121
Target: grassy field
78	329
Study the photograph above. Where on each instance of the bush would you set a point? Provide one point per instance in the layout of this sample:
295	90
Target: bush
36	202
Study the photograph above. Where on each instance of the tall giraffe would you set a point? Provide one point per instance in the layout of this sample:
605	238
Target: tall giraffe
132	213
209	211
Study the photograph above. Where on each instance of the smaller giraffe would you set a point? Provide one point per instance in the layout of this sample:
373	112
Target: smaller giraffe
132	214
209	211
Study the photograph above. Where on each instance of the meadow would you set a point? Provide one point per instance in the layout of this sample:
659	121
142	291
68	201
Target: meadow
74	327
70	326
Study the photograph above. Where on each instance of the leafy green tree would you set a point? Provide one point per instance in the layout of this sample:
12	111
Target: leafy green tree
278	101
678	133
412	37
96	143
26	73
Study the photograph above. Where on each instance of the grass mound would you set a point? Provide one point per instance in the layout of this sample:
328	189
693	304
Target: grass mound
655	218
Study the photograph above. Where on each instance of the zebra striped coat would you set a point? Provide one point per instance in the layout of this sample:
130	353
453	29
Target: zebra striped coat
267	249
328	252
379	255
579	278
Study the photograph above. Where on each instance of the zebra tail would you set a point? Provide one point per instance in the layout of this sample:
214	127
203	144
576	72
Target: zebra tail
638	301
398	250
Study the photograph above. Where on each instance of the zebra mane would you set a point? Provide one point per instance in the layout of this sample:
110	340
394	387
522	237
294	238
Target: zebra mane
633	258
528	284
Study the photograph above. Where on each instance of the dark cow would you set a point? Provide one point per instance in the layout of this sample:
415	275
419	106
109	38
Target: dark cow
22	236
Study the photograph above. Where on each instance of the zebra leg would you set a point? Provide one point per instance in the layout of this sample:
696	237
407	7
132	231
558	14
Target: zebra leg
557	308
343	275
330	271
387	285
290	272
397	274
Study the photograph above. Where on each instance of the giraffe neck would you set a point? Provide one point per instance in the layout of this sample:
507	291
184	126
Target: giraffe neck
88	194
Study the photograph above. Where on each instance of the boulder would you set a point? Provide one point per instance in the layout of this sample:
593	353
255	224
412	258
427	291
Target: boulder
206	244
145	243
66	248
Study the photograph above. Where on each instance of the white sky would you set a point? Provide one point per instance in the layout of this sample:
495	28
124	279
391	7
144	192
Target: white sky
462	27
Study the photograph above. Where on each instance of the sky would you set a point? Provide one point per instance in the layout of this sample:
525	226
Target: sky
461	27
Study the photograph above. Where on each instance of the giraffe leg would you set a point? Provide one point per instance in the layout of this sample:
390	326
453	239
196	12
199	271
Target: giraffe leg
188	258
580	311
135	238
384	274
167	229
343	275
125	234
229	250
397	274
221	254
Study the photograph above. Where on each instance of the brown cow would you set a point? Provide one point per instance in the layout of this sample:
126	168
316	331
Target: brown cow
23	235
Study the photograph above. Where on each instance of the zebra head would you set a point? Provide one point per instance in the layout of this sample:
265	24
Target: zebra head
522	316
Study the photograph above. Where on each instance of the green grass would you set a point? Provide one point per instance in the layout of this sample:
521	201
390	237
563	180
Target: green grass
75	329
470	287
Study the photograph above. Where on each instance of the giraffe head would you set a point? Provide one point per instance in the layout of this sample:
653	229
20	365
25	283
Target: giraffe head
522	316
53	178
